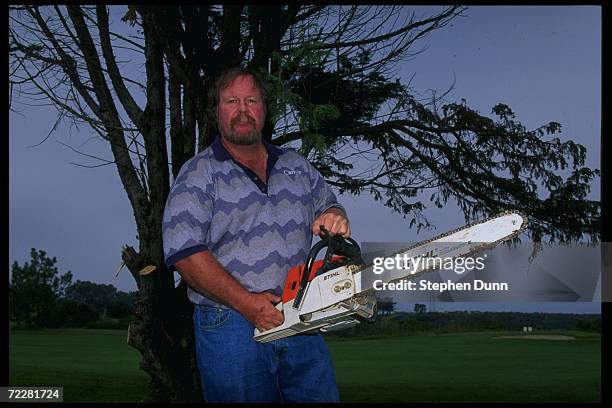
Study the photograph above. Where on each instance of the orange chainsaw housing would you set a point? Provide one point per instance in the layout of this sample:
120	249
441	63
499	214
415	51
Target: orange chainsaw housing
292	283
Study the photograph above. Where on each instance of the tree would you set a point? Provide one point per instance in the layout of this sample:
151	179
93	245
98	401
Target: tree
123	305
35	288
420	308
385	305
334	98
68	313
98	296
104	299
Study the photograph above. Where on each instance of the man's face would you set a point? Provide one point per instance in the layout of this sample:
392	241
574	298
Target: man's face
241	111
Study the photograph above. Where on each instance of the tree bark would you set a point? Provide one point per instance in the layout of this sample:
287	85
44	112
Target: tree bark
165	342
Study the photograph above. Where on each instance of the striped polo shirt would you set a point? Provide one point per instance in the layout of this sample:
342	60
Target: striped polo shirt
256	231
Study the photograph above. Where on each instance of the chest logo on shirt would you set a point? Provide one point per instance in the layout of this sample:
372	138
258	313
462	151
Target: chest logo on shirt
292	172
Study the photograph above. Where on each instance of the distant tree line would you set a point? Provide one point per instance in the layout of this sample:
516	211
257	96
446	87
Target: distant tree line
39	296
446	322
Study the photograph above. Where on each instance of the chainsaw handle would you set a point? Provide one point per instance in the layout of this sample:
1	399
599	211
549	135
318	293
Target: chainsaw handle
339	245
336	244
305	274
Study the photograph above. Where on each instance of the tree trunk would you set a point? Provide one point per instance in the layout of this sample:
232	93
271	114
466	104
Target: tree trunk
163	334
163	330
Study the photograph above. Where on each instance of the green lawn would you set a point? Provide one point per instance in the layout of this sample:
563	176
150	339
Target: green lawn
468	367
98	365
91	365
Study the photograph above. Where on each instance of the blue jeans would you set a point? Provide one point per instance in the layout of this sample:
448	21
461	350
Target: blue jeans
235	368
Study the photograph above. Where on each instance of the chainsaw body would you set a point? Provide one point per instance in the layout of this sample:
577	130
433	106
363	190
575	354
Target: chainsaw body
323	295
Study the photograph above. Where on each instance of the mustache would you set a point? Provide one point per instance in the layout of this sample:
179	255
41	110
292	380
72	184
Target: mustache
242	117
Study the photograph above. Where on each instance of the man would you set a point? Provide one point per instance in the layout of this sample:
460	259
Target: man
239	215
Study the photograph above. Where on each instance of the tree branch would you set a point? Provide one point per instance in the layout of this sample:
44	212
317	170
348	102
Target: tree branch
125	97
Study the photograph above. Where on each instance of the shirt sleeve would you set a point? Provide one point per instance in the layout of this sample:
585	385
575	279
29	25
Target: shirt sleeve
186	221
324	197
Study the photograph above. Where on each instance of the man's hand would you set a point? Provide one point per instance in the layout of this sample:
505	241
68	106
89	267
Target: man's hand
334	221
258	308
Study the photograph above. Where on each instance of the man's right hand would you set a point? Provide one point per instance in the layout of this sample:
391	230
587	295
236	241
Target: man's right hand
259	309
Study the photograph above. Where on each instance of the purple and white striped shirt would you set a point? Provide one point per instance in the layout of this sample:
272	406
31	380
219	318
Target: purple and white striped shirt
257	232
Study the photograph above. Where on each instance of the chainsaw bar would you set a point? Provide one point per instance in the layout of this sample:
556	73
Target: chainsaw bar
472	247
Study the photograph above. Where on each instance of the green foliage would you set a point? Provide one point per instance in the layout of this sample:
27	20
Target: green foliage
95	295
420	308
35	287
589	324
123	305
104	299
40	297
330	102
385	305
450	322
67	313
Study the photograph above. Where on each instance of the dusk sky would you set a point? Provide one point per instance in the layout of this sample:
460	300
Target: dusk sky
542	61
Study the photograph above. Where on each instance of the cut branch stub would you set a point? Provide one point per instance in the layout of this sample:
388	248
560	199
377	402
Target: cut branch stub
147	270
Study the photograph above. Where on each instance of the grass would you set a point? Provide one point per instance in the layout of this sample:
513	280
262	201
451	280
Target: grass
91	365
468	367
98	365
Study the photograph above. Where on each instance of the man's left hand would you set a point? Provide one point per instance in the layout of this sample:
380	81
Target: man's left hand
334	220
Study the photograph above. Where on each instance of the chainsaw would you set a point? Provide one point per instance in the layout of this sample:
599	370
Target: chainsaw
332	293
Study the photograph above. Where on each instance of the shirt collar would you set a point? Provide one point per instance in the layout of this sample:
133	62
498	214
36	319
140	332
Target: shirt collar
221	153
